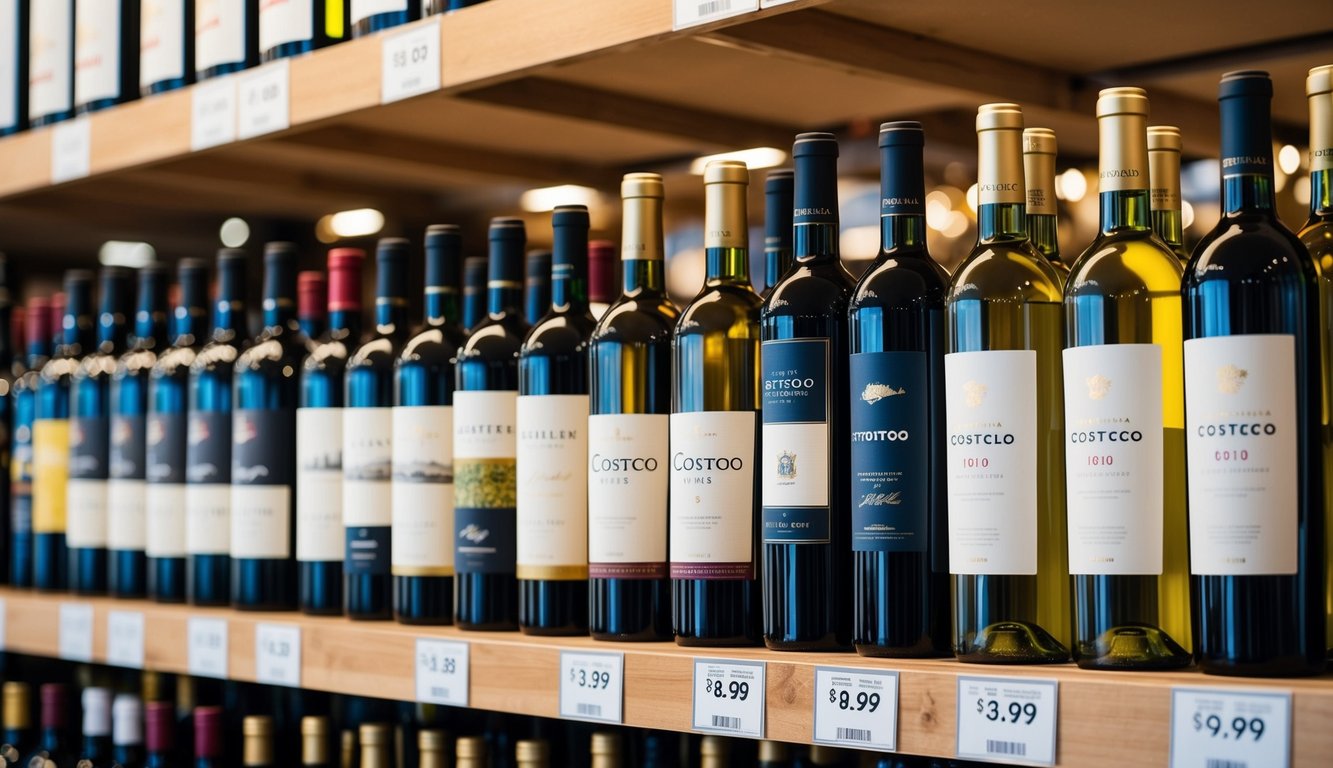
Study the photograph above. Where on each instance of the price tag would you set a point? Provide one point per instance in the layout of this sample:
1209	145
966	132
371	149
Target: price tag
1213	728
278	654
213	113
1009	719
76	632
262	100
688	13
592	686
729	697
124	639
856	708
410	63
208	647
442	672
71	149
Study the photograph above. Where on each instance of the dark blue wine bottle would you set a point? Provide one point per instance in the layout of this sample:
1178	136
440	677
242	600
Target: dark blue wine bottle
485	448
807	533
54	743
50	61
778	191
300	26
368	441
320	540
536	286
159	734
474	292
900	564
166	46
370	17
208	744
14	91
106	54
37	351
423	451
226	37
7	380
127	748
19	737
266	391
126	496
312	305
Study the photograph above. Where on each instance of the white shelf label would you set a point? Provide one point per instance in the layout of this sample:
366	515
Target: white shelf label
208	647
213	113
263	100
1213	728
1009	719
688	13
729	697
442	672
856	708
592	686
278	654
124	639
71	149
410	64
76	632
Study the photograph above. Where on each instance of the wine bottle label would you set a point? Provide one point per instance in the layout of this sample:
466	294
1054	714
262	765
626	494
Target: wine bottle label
1114	459
319	485
97	50
485	480
1242	456
125	497
263	453
628	456
20	473
164	448
9	84
85	497
423	490
890	452
208	483
364	9
367	490
285	21
795	455
219	33
552	487
712	495
50	474
128	449
164	496
161	41
51	58
991	416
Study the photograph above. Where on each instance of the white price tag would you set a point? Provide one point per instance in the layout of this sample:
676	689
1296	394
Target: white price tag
262	100
213	113
1009	719
1213	728
410	63
688	13
208	647
76	632
442	672
124	639
278	654
856	708
592	686
71	149
729	697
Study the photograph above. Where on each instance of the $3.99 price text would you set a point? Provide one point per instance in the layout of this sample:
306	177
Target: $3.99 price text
1021	713
585	678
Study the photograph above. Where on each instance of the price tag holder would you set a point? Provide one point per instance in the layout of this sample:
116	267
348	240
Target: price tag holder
442	672
689	13
410	62
76	632
1212	727
208	647
124	639
278	654
729	697
71	149
263	100
1007	718
213	113
592	686
856	708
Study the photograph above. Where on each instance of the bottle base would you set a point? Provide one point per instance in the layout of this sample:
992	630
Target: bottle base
567	631
870	650
1132	647
1012	642
494	626
630	637
424	621
718	642
1287	667
829	645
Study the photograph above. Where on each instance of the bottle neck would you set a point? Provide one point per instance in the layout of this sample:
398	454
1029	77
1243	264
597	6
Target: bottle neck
228	319
1044	232
1001	221
150	329
815	243
504	296
191	324
902	232
279	311
312	326
569	288
390	314
643	276
1248	193
776	264
727	266
1125	209
441	305
1321	194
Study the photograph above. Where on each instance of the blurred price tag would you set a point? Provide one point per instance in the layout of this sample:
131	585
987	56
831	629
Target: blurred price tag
1008	719
208	647
76	632
442	672
856	708
729	697
592	686
213	113
411	62
71	149
1213	728
688	13
278	654
124	639
263	100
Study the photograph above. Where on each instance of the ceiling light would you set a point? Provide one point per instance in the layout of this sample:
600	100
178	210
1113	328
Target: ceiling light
1289	159
1301	190
1186	214
119	253
1074	184
234	232
972	198
358	222
956	226
545	199
759	157
859	243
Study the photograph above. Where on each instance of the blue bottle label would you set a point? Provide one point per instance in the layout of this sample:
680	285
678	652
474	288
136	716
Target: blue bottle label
794	457
486	540
88	447
889	452
208	449
127	447
164	448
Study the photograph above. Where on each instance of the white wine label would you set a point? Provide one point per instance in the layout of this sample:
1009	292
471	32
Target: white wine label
208	519
367	461
1114	472
991	421
96	50
552	487
125	514
86	510
285	21
261	521
795	455
51	57
164	507
219	33
485	480
319	484
1241	449
712	495
9	84
423	490
364	9
484	425
628	456
161	41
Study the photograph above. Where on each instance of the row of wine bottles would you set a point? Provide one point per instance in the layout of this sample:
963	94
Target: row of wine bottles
127	48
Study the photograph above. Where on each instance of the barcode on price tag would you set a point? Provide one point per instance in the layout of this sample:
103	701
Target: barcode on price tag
213	113
1009	719
688	13
729	697
263	100
278	654
124	639
592	686
1212	728
76	632
442	672
410	62
207	647
856	707
71	149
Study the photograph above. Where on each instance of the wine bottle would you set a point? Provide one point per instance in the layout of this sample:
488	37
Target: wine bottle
300	26
226	36
126	491
1164	177
14	88
1125	418
165	432
316	742
714	751
474	291
36	353
376	745
601	276
257	744
50	62
17	720
607	750
208	440
532	753
321	541
900	548
423	445
778	192
432	749
263	446
8	372
208	737
1039	151
127	748
96	749
537	286
1252	341
159	739
1003	414
470	752
166	45
368	442
106	53
629	358
552	488
53	742
312	303
715	373
485	443
776	754
370	16
806	479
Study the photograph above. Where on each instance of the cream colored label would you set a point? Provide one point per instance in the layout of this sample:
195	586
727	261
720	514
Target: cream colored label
50	474
319	485
367	467
1000	167
285	21
423	491
96	50
1164	175
1123	153
161	41
208	519
1321	132
552	487
86	507
724	216
627	487
8	71
1039	177
219	33
125	514
50	63
164	505
261	521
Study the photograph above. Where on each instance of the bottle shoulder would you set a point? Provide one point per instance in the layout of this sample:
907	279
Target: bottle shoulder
495	335
377	352
637	319
897	279
809	289
1317	236
1125	263
732	309
136	363
1005	271
1249	247
433	344
559	333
